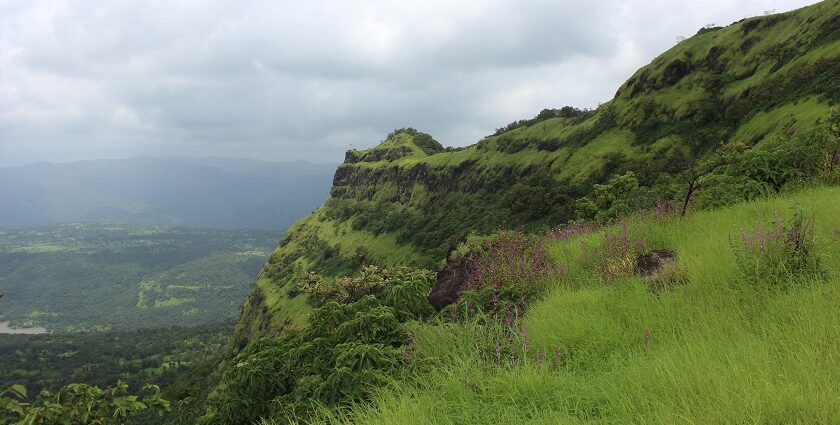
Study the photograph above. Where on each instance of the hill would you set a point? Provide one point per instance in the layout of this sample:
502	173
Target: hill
225	193
711	339
755	87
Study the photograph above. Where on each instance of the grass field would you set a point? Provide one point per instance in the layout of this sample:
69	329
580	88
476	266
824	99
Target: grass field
717	349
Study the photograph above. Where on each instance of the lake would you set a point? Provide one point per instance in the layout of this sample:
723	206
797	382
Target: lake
5	329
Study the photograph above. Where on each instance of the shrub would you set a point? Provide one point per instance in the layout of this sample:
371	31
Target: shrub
616	256
355	341
617	198
505	273
370	280
80	404
774	253
722	190
788	159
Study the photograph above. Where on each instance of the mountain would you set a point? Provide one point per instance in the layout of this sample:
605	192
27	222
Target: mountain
408	200
204	192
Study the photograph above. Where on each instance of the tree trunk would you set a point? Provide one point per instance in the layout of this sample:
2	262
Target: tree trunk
691	187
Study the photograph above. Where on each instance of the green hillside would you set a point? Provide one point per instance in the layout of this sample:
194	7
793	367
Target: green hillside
755	86
706	343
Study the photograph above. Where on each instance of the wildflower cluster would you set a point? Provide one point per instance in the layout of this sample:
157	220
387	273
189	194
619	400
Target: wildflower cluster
776	251
664	210
573	230
616	257
509	270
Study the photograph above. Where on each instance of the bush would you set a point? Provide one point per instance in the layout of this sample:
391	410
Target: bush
355	341
788	159
619	197
722	190
506	272
79	404
616	256
774	253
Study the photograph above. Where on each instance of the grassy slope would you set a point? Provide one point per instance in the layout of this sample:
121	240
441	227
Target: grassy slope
720	350
743	83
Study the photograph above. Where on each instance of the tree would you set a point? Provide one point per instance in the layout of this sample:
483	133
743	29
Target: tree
617	197
699	167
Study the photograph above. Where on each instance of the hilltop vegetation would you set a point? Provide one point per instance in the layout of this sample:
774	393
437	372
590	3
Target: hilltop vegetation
670	257
727	115
84	277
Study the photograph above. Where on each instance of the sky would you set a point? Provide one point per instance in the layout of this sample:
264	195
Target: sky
307	80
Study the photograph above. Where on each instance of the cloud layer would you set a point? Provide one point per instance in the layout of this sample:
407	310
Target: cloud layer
308	80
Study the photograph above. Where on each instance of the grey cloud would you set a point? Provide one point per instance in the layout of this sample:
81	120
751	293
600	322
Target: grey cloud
306	80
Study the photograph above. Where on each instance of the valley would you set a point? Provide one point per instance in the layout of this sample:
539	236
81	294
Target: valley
83	277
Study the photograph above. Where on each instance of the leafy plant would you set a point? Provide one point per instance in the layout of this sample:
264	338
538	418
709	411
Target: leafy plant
618	197
80	404
355	341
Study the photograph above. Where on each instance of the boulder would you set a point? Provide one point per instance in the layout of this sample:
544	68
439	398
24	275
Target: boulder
450	283
652	262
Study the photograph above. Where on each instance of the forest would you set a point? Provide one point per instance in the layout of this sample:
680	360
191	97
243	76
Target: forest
77	277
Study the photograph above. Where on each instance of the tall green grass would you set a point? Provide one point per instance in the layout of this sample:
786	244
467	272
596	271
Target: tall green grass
714	350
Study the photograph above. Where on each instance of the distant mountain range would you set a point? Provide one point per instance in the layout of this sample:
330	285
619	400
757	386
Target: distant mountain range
205	192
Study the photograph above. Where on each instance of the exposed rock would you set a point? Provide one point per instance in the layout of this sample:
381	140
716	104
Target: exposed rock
450	281
652	262
750	25
675	71
641	84
711	61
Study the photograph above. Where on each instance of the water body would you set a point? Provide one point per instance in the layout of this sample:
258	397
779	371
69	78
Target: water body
5	329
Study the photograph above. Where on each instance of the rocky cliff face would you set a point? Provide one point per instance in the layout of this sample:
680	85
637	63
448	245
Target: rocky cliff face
405	201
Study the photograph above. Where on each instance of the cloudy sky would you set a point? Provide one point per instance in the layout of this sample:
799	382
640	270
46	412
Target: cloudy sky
286	80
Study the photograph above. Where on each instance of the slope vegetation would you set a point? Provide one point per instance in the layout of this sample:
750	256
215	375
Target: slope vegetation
408	200
708	342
